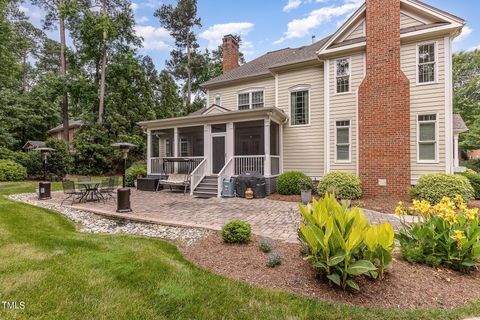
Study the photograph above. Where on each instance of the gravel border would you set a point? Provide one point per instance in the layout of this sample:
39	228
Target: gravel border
89	222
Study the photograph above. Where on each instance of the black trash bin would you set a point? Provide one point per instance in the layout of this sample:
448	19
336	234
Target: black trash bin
251	179
44	190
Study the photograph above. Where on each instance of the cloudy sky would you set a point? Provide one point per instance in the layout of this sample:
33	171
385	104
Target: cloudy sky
270	24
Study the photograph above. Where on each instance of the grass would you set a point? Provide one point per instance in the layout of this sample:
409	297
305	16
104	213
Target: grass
63	274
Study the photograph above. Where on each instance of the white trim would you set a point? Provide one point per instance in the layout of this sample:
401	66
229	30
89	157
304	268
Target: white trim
326	115
299	88
149	151
414	16
437	140
280	141
216	135
427	31
349	141
449	148
349	58
208	99
417	64
267	168
341	39
434	12
250	91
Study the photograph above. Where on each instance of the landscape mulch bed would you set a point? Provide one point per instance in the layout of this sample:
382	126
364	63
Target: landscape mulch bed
385	205
405	287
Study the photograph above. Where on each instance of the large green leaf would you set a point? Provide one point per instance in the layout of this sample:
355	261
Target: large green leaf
352	284
335	278
337	258
360	267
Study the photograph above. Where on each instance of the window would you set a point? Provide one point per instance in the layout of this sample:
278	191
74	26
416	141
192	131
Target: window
426	63
250	100
299	108
218	100
427	137
342	75
342	140
183	147
168	150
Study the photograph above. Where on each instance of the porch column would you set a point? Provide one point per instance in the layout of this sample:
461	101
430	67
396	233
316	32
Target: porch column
149	152
175	148
267	164
230	141
280	147
456	162
207	147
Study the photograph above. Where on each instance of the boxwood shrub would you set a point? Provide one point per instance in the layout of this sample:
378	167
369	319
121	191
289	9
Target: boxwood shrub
474	179
12	171
137	170
346	186
291	182
236	231
434	186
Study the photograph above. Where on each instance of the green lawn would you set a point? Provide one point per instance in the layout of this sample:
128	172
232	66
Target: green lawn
63	274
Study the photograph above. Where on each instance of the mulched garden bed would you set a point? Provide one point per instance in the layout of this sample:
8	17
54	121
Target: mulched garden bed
405	287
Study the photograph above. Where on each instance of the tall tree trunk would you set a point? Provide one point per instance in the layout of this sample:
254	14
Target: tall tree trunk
101	98
24	73
189	73
63	71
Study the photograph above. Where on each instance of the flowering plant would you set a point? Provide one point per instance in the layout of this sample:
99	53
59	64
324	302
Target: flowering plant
447	233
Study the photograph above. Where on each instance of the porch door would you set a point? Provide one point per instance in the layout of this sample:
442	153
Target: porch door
218	153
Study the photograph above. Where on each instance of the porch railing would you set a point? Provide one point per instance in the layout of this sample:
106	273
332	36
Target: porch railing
197	175
172	167
226	172
249	163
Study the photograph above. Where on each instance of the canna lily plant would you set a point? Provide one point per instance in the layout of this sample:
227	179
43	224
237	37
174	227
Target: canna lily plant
447	233
341	243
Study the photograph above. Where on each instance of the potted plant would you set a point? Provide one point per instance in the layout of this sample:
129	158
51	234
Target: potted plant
306	191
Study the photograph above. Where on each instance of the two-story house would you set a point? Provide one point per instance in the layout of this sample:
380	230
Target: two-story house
373	99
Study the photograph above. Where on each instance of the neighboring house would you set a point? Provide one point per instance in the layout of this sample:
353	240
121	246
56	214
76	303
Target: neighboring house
73	126
373	99
31	145
474	154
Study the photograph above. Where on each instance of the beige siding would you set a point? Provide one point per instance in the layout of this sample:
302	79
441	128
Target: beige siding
229	95
358	32
344	107
303	145
425	99
406	21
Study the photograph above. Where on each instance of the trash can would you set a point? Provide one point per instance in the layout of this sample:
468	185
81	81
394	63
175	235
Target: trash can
44	190
260	190
228	189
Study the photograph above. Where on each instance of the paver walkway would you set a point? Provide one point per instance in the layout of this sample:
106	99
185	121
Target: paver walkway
269	218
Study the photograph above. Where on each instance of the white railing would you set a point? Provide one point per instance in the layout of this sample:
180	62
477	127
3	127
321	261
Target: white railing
156	165
249	163
226	173
274	165
197	175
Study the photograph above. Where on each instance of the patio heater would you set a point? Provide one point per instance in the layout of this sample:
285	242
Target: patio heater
123	194
44	187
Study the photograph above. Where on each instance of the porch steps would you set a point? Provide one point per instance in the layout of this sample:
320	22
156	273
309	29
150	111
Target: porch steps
208	188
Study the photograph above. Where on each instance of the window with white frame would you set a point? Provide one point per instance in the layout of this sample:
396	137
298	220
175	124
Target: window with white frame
218	100
184	147
427	137
299	108
426	63
250	100
168	150
342	140
342	75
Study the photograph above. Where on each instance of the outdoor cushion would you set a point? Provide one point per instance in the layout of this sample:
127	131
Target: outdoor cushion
175	179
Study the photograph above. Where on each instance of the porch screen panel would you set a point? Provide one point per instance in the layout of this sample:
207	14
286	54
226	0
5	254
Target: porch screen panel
274	139
249	138
190	142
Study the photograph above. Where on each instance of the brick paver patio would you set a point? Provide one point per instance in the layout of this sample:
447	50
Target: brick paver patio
269	218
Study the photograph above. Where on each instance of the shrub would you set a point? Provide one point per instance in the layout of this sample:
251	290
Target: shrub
291	182
137	170
342	245
474	179
447	233
274	259
346	186
236	231
265	244
94	155
433	187
12	171
472	164
59	162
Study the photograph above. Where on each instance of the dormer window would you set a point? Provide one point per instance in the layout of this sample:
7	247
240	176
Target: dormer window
426	63
342	75
218	100
250	100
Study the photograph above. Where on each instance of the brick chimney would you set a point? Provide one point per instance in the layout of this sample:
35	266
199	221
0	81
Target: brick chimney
230	53
384	106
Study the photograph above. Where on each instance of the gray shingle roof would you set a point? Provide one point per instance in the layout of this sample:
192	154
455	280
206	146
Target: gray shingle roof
71	124
458	123
261	65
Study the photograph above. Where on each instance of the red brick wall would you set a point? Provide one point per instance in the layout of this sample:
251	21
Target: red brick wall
230	53
384	105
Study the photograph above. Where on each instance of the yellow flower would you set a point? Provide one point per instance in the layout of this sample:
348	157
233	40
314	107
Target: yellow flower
471	214
421	208
458	235
399	210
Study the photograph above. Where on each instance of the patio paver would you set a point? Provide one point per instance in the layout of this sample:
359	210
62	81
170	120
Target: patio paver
269	218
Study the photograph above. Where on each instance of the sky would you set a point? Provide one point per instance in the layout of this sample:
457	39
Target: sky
267	25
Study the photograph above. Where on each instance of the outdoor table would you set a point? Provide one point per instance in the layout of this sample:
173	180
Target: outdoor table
91	190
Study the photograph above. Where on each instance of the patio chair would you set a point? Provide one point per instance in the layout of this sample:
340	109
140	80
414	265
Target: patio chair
84	178
71	192
107	188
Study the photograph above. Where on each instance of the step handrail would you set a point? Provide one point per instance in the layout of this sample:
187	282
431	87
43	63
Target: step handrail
227	170
197	175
